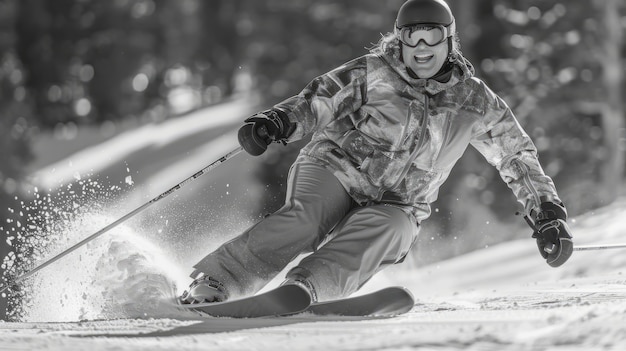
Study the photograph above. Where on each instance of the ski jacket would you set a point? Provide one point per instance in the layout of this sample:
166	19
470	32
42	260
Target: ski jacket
391	138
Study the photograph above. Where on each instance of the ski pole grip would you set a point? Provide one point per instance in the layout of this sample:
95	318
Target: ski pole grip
251	141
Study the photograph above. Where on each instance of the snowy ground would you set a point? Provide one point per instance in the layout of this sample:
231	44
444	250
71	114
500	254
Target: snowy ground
500	298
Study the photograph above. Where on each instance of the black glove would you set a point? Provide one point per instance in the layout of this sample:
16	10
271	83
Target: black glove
552	233
264	128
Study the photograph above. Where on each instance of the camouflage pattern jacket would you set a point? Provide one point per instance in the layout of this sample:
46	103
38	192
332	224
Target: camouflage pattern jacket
390	138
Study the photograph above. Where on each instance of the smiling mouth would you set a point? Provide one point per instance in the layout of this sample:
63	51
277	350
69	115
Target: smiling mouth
423	58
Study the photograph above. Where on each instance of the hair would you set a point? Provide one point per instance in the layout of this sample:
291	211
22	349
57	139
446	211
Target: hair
389	44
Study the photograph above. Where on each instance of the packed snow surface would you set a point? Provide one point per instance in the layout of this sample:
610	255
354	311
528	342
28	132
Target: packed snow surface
500	298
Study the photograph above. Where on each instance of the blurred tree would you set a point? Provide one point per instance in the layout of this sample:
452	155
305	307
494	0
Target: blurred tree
551	74
15	133
95	61
610	55
217	51
288	43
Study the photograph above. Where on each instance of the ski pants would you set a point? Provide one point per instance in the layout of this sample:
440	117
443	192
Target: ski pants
349	243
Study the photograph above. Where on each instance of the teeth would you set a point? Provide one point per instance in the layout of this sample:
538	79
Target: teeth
423	58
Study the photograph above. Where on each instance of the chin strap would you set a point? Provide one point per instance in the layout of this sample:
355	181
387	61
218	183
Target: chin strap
451	57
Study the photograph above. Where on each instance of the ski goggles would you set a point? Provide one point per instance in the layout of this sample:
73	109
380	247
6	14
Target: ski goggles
430	34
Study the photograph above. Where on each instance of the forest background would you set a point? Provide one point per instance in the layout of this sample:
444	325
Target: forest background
68	65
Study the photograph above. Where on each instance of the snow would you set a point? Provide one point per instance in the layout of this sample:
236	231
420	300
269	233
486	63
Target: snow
113	151
116	293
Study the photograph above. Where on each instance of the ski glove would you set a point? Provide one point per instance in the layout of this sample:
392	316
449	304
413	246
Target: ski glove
264	128
552	233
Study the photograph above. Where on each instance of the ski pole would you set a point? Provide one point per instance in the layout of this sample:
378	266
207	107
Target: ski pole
599	247
122	219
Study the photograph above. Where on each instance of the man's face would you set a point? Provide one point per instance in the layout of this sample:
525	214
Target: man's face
425	60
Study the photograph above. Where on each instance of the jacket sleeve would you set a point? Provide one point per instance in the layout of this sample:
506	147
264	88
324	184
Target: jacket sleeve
328	97
502	141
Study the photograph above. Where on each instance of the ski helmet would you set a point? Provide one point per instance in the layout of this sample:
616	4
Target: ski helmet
435	12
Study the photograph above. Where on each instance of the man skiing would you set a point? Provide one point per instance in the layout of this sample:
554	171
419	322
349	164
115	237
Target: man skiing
387	128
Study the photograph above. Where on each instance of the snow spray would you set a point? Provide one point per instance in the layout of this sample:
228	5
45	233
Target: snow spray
120	275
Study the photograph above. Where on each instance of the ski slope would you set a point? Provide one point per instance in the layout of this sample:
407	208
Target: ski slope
500	298
115	294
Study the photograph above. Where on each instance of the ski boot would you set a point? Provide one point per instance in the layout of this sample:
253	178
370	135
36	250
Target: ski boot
302	282
204	289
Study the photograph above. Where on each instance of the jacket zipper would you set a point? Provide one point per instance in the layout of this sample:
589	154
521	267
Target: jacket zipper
405	133
413	155
444	137
405	130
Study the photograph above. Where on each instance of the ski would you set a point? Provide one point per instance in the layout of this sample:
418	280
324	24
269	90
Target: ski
284	300
292	299
390	301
